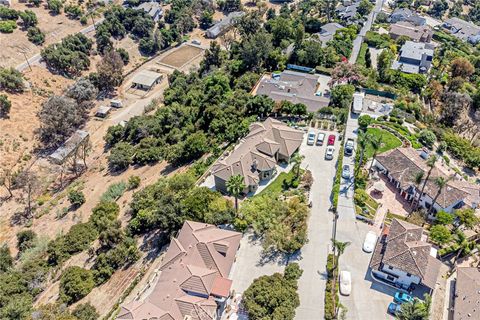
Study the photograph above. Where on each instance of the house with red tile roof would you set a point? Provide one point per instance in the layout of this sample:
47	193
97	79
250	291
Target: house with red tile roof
194	276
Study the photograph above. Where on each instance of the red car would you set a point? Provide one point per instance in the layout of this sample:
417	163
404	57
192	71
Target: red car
331	140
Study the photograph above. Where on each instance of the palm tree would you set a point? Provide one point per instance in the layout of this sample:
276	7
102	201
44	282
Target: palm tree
415	310
417	180
431	164
235	187
376	143
363	140
297	160
440	182
340	249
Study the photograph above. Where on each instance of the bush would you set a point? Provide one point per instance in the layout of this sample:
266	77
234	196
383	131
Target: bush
121	156
35	35
440	234
133	182
379	41
5	106
8	14
463	149
55	6
25	240
75	283
114	192
104	214
364	121
7	26
76	198
444	218
29	18
85	311
427	138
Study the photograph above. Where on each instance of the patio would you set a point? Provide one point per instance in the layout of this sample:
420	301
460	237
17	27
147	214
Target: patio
390	201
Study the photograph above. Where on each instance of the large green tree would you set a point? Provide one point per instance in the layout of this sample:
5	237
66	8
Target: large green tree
75	283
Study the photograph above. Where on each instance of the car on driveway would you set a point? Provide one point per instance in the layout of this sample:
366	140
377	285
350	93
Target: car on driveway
401	297
345	283
393	308
331	140
320	139
329	153
346	171
370	241
311	138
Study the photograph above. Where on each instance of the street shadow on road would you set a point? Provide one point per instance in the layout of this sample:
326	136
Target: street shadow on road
272	256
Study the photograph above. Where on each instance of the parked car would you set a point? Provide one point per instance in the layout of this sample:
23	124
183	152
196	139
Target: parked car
401	297
311	138
331	140
329	153
197	42
345	283
346	171
370	241
320	139
393	308
349	147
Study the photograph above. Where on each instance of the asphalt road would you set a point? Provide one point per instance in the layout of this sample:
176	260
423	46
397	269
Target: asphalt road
357	43
313	256
37	58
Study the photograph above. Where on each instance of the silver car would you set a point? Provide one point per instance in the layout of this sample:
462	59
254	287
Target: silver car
346	171
329	153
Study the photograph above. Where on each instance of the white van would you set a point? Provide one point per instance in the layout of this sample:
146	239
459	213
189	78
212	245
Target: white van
116	103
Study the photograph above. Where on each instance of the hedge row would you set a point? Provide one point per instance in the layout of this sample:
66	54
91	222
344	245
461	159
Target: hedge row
338	180
331	274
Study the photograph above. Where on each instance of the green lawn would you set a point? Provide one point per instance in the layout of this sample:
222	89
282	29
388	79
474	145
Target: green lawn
361	54
277	184
389	141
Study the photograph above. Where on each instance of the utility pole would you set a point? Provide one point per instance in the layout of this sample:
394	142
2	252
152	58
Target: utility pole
26	59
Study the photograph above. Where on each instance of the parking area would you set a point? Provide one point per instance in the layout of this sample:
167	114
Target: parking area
313	256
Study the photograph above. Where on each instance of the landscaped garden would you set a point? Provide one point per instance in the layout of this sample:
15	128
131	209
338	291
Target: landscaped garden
365	205
389	141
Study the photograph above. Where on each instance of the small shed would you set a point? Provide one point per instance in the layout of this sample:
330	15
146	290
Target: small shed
146	79
103	111
72	143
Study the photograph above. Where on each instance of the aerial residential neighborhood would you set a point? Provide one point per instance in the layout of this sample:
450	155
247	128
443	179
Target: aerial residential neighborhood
240	159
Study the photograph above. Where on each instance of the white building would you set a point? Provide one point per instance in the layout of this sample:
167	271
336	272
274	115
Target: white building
403	259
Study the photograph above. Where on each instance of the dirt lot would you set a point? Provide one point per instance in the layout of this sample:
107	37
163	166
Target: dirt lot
17	137
179	57
55	28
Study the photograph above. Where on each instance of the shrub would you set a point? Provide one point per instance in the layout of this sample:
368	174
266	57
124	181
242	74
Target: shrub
25	240
444	218
76	198
114	192
7	26
85	311
29	18
104	214
5	106
8	14
121	156
440	234
75	283
35	35
364	121
427	138
133	182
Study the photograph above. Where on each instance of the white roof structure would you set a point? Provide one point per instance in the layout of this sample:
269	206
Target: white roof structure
146	78
68	147
358	101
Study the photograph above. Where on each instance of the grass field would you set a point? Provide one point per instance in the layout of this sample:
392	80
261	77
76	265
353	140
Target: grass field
277	185
361	54
389	141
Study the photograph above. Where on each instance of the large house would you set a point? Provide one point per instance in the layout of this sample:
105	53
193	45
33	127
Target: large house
414	57
466	301
411	31
296	87
327	32
405	14
402	258
463	30
400	166
257	155
224	25
194	276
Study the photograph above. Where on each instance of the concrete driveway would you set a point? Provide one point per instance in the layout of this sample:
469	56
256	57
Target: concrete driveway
313	256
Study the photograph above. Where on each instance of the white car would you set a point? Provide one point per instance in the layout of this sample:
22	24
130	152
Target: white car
329	153
345	283
320	139
346	172
197	42
311	138
370	241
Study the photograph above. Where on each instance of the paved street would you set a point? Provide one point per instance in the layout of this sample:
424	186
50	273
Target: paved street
357	43
313	256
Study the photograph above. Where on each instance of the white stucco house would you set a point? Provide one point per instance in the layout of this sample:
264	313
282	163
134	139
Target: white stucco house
401	165
403	259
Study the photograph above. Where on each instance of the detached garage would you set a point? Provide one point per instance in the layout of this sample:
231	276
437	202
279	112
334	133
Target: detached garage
146	79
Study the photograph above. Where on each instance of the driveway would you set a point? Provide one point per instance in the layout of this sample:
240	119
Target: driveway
368	297
313	256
